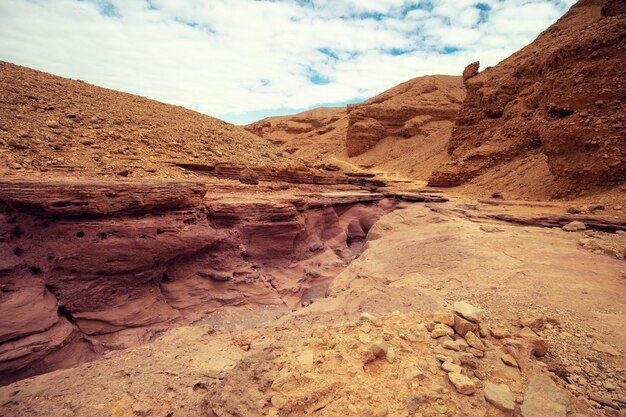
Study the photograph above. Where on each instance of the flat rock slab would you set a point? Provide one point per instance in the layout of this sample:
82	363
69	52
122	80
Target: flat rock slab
544	398
500	396
60	198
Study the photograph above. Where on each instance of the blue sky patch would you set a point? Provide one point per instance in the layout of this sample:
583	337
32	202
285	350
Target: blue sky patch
319	79
484	11
328	53
450	50
105	8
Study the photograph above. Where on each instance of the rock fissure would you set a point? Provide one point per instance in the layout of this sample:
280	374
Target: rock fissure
113	278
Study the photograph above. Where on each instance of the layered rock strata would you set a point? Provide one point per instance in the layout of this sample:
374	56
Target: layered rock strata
88	266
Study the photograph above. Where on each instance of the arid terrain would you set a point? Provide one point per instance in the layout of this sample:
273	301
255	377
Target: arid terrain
403	131
454	246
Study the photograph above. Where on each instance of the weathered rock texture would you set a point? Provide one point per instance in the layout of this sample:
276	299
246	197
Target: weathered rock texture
51	124
403	130
88	266
403	112
559	101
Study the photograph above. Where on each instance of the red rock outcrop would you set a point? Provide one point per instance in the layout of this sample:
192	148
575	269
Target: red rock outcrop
559	99
87	266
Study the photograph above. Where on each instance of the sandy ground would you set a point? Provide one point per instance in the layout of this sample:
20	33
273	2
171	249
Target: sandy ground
417	260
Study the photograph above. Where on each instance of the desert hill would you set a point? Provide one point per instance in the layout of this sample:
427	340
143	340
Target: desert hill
549	120
404	130
52	124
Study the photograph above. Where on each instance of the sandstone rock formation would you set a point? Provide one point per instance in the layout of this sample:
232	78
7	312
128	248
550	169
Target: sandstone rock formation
366	347
92	265
557	105
404	130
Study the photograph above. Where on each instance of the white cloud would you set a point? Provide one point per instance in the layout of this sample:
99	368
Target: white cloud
227	57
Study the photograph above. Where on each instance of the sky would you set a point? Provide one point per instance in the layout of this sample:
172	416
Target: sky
242	60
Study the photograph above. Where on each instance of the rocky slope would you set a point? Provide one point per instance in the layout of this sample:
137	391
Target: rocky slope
50	124
403	130
550	118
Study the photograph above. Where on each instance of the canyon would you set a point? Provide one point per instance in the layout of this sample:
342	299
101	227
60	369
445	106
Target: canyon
454	246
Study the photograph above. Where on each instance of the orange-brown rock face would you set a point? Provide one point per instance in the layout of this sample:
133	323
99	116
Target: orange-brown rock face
404	130
92	265
560	99
311	135
403	112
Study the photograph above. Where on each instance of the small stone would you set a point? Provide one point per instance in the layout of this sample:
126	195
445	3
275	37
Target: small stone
413	372
365	411
476	352
462	383
124	173
467	310
248	176
574	226
451	367
23	133
468	360
278	401
444	317
474	341
533	321
371	318
413	404
391	355
87	141
441	330
538	345
53	123
15	165
462	326
500	396
498	332
509	360
574	210
442	358
452	345
378	349
285	382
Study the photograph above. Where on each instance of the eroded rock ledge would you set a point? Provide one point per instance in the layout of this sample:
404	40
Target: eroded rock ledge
88	266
